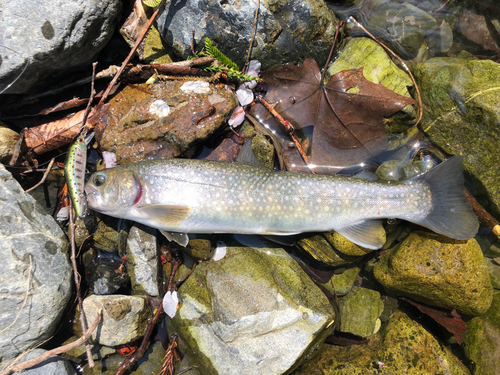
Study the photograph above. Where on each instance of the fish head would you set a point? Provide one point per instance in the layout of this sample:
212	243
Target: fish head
113	191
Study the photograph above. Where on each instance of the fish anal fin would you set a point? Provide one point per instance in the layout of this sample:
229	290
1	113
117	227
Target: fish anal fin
369	234
170	216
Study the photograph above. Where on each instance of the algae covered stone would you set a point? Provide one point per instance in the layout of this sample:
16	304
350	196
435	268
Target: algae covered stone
320	249
253	312
482	340
345	246
439	271
461	116
402	347
360	311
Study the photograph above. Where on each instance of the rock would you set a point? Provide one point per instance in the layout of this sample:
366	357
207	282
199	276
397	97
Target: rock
286	31
55	365
199	248
253	312
494	269
319	248
80	352
402	347
438	271
133	132
404	24
105	274
482	340
34	252
142	253
342	244
360	311
8	140
124	318
461	117
52	38
111	234
343	282
263	150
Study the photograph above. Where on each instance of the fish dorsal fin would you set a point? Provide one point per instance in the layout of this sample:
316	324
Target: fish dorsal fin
247	156
368	233
164	215
181	238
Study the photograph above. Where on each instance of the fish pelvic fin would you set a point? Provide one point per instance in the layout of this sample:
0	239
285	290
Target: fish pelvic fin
451	214
369	234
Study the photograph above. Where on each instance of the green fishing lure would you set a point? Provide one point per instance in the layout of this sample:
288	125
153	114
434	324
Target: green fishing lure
74	171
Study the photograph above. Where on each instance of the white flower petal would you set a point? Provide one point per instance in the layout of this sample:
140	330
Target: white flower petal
245	96
159	108
237	117
109	159
220	251
170	303
196	87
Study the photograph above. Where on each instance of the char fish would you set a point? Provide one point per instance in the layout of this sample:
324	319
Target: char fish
198	196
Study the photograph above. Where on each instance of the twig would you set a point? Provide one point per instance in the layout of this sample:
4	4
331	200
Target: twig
30	274
43	177
17	149
484	217
132	51
192	44
337	29
61	349
151	323
87	109
253	35
420	105
289	129
77	278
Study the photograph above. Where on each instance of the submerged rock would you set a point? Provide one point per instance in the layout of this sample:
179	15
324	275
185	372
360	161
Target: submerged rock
320	249
439	271
253	312
286	31
360	311
401	347
461	117
55	365
482	340
135	131
52	38
124	318
35	274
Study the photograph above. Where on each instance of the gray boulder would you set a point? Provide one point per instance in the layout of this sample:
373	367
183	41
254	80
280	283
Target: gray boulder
55	365
286	31
51	37
35	264
253	312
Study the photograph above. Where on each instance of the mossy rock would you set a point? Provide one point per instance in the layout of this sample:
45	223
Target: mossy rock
461	116
439	271
320	249
482	340
345	246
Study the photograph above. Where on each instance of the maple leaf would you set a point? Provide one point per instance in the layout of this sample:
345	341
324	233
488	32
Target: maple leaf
341	122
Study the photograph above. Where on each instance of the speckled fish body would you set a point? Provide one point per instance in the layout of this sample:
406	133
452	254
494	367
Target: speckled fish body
74	172
196	196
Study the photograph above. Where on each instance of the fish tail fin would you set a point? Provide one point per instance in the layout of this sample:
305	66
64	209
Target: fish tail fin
451	214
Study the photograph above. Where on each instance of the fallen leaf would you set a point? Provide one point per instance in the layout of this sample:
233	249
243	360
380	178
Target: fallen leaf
343	119
452	321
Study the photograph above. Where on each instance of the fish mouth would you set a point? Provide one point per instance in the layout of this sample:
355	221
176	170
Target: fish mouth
92	196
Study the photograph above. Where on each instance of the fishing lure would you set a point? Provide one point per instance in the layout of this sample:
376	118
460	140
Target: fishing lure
74	171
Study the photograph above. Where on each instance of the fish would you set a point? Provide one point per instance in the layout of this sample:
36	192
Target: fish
201	196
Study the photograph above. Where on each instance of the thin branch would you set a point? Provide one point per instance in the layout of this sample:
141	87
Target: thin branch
87	109
43	177
253	35
77	278
484	216
132	51
388	50
59	350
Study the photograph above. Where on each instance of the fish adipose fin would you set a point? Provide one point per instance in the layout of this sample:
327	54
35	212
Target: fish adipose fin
451	214
368	233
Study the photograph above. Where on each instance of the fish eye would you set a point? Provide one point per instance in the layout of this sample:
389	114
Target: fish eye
99	180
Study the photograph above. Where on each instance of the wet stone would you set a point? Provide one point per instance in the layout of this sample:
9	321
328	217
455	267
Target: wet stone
402	347
124	318
253	312
320	249
342	244
360	311
438	271
134	133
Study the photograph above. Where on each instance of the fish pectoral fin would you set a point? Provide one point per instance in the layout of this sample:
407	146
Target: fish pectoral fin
164	215
181	238
368	233
287	240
